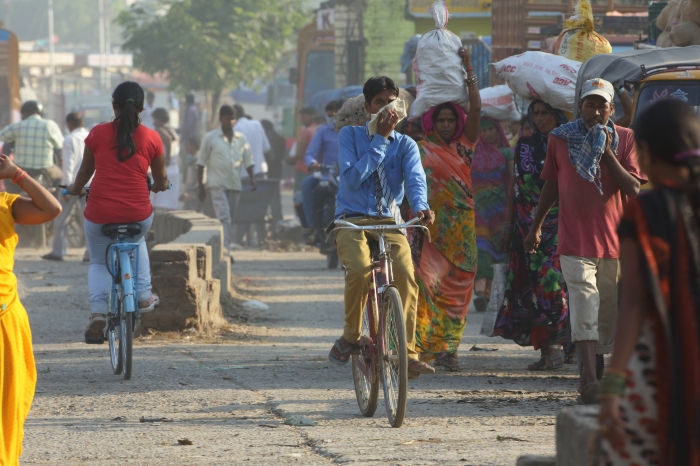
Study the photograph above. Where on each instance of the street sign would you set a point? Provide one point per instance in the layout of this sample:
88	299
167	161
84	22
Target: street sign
124	60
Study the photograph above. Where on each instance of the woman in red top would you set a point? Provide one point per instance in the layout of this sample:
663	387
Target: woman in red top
119	153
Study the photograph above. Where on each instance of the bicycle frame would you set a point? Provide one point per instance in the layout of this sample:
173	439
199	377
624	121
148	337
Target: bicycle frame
121	256
382	278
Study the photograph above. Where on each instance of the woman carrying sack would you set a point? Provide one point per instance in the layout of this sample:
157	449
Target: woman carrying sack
445	269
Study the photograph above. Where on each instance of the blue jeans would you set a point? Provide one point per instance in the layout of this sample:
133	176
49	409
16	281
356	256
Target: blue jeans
99	279
307	192
60	224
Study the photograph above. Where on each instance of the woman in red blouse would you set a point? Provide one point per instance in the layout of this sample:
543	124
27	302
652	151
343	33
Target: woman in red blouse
119	154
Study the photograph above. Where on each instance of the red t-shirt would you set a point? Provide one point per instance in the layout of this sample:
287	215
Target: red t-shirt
588	221
119	191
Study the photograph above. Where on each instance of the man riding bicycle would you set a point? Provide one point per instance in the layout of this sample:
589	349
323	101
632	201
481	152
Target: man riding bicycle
373	171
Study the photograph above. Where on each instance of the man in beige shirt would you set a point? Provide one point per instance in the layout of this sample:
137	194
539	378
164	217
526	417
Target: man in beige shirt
224	151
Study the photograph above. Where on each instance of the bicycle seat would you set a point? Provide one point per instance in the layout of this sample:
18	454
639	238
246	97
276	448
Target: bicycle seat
121	230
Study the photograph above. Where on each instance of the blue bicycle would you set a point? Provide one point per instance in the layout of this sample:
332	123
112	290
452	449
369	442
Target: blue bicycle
122	260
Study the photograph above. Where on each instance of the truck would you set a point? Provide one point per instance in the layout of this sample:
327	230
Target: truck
315	70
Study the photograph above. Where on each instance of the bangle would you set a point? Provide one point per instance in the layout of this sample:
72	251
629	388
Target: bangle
19	176
471	80
613	384
469	69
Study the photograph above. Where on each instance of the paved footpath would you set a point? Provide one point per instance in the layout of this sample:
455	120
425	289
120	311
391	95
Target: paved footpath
229	395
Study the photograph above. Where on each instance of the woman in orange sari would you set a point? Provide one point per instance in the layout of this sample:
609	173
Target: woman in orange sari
445	269
17	370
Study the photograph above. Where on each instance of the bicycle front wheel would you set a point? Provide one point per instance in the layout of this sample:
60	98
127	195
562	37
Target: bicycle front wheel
393	356
366	389
115	351
127	334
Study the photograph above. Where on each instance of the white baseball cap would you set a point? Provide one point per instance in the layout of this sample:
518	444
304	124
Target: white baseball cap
599	87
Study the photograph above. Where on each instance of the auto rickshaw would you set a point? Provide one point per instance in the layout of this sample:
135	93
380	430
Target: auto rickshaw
651	75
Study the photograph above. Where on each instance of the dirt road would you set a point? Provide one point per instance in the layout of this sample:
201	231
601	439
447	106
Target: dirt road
230	395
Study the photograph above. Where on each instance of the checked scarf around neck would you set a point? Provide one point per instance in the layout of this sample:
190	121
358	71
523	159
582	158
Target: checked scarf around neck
586	147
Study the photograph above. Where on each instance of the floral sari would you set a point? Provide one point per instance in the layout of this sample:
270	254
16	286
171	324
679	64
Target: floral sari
489	172
445	269
534	306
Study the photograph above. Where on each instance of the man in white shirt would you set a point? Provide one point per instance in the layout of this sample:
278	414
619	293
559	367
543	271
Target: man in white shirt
255	134
224	153
259	146
73	148
146	118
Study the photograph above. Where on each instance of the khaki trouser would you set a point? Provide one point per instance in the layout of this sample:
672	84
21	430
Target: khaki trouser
592	285
354	252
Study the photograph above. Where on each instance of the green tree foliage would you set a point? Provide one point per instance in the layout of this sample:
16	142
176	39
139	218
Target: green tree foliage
211	45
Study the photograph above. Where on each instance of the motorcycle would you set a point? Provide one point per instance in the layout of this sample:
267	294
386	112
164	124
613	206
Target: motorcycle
324	211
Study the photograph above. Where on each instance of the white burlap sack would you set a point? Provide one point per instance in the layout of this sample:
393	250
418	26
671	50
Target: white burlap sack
498	290
685	34
438	66
539	75
498	102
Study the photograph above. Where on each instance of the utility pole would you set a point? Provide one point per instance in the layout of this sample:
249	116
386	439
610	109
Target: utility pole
108	44
52	64
101	23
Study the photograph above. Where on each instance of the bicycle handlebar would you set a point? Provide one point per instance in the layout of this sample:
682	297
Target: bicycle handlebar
64	191
414	223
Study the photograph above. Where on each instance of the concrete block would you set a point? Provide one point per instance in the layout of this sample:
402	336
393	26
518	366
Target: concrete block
190	272
577	436
204	262
174	269
168	282
204	233
213	291
171	253
536	460
222	272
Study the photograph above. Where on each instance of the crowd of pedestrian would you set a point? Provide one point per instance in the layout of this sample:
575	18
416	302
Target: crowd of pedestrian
557	203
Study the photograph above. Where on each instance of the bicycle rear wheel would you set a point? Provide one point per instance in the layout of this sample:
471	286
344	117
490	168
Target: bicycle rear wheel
366	390
394	356
127	333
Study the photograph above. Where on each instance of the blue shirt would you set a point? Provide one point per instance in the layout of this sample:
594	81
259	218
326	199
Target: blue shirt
323	148
359	158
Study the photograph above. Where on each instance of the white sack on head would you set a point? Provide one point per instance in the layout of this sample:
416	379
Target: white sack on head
438	66
539	75
498	102
352	113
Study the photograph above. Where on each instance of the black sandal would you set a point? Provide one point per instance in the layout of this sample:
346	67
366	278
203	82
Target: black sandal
538	366
352	349
449	361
